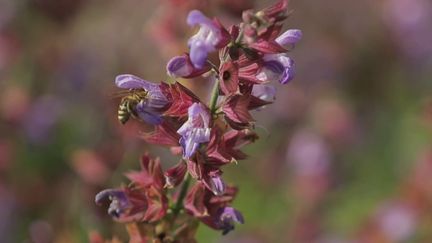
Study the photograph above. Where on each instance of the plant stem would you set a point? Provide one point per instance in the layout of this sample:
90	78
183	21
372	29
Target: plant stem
239	37
214	97
213	66
182	195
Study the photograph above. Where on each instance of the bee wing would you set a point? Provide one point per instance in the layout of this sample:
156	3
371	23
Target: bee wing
119	94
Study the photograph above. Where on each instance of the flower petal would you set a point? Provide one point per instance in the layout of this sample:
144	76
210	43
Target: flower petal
264	92
179	66
215	184
229	216
268	47
199	52
129	81
229	82
147	114
164	134
288	74
174	175
289	37
196	17
194	202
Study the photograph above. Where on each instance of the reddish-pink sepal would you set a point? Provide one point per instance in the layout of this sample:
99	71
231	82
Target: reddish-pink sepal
236	110
164	134
175	175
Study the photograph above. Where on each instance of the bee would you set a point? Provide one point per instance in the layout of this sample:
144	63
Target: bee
127	105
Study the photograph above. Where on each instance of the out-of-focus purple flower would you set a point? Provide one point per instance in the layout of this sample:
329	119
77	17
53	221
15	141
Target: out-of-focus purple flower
195	130
149	108
289	37
209	37
41	119
409	22
229	216
308	154
397	220
264	92
277	68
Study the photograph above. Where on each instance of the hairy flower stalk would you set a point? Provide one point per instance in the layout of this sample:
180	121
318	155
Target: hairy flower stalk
167	205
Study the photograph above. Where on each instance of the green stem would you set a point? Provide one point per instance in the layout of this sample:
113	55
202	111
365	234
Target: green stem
239	37
214	97
213	66
182	195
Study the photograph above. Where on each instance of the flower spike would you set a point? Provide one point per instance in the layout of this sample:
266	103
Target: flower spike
167	205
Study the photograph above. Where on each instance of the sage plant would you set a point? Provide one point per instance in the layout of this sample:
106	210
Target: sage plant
167	206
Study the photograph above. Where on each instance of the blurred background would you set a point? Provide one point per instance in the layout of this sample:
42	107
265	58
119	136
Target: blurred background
345	153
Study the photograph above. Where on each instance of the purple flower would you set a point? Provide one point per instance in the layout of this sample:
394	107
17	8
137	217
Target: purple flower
397	220
42	118
227	217
277	67
264	92
149	108
218	186
179	66
119	201
195	130
280	67
213	181
208	38
289	37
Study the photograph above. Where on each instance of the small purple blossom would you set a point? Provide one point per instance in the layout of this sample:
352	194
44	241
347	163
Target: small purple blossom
147	109
289	37
227	217
119	201
218	185
195	130
179	66
277	67
129	81
213	181
264	92
205	40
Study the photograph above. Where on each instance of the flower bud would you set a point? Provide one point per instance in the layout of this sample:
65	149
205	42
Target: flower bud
179	66
289	37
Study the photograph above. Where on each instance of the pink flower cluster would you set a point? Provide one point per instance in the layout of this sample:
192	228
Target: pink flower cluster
252	55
